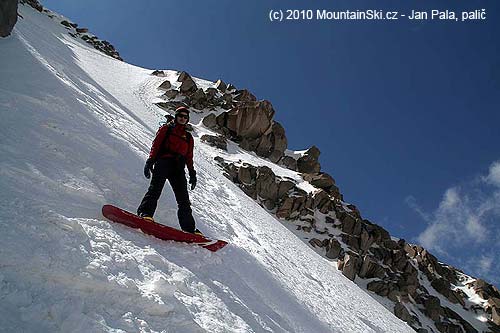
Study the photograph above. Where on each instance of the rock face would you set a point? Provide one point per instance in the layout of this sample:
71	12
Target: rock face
8	16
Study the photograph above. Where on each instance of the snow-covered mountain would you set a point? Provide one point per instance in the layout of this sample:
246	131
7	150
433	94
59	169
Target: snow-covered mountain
76	127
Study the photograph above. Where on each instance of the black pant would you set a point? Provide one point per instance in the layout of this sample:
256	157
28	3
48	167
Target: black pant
170	168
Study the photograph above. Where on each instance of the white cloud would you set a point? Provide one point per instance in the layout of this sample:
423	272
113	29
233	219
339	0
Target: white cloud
493	176
466	223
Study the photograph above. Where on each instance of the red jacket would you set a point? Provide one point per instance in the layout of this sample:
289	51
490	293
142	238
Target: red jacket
179	142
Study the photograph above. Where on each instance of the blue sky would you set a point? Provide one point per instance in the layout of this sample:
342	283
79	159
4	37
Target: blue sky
405	113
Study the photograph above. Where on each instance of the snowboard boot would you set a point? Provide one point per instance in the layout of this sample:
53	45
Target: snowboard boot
198	232
146	217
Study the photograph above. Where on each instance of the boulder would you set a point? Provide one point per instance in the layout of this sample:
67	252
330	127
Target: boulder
220	85
367	240
157	72
188	85
319	199
350	266
333	249
209	121
371	269
285	209
273	144
171	94
308	163
495	315
166	85
350	225
378	287
432	307
288	162
351	241
320	180
402	313
285	186
215	141
8	16
316	242
250	121
266	184
247	174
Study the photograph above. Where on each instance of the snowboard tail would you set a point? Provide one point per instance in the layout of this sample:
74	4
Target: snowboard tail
158	230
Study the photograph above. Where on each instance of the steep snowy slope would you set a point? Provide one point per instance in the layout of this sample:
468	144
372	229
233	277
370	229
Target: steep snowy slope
76	126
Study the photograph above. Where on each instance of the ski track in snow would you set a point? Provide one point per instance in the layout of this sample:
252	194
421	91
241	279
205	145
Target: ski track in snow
76	128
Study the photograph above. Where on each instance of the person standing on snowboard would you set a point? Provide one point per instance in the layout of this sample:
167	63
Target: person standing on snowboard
171	151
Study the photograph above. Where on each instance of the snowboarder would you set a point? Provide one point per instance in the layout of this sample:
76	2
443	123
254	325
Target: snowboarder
171	151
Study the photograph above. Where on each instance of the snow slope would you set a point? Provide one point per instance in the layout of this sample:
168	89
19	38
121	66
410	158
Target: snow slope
76	126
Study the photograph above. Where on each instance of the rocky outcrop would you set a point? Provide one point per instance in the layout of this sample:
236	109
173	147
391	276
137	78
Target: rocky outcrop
308	163
8	16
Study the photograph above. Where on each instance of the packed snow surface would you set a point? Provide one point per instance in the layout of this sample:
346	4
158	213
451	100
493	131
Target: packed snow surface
76	126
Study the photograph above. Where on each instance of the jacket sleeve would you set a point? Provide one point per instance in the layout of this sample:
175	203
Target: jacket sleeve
157	142
189	156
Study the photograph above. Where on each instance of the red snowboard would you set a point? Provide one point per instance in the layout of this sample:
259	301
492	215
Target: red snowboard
161	231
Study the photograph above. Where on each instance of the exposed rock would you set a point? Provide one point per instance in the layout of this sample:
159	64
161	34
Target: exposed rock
432	307
209	121
188	85
69	24
316	242
333	249
402	313
378	287
198	99
159	73
448	327
366	240
371	269
410	250
8	16
283	187
247	174
270	145
220	85
350	225
171	94
320	180
308	163
443	287
351	241
288	162
244	96
266	184
33	3
495	315
249	121
350	266
82	30
216	141
166	85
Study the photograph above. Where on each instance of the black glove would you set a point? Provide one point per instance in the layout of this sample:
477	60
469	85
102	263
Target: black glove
192	178
148	168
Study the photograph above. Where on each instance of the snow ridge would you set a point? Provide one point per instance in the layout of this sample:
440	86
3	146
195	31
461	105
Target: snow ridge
76	127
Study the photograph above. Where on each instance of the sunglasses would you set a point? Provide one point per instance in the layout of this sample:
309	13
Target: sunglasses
185	116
